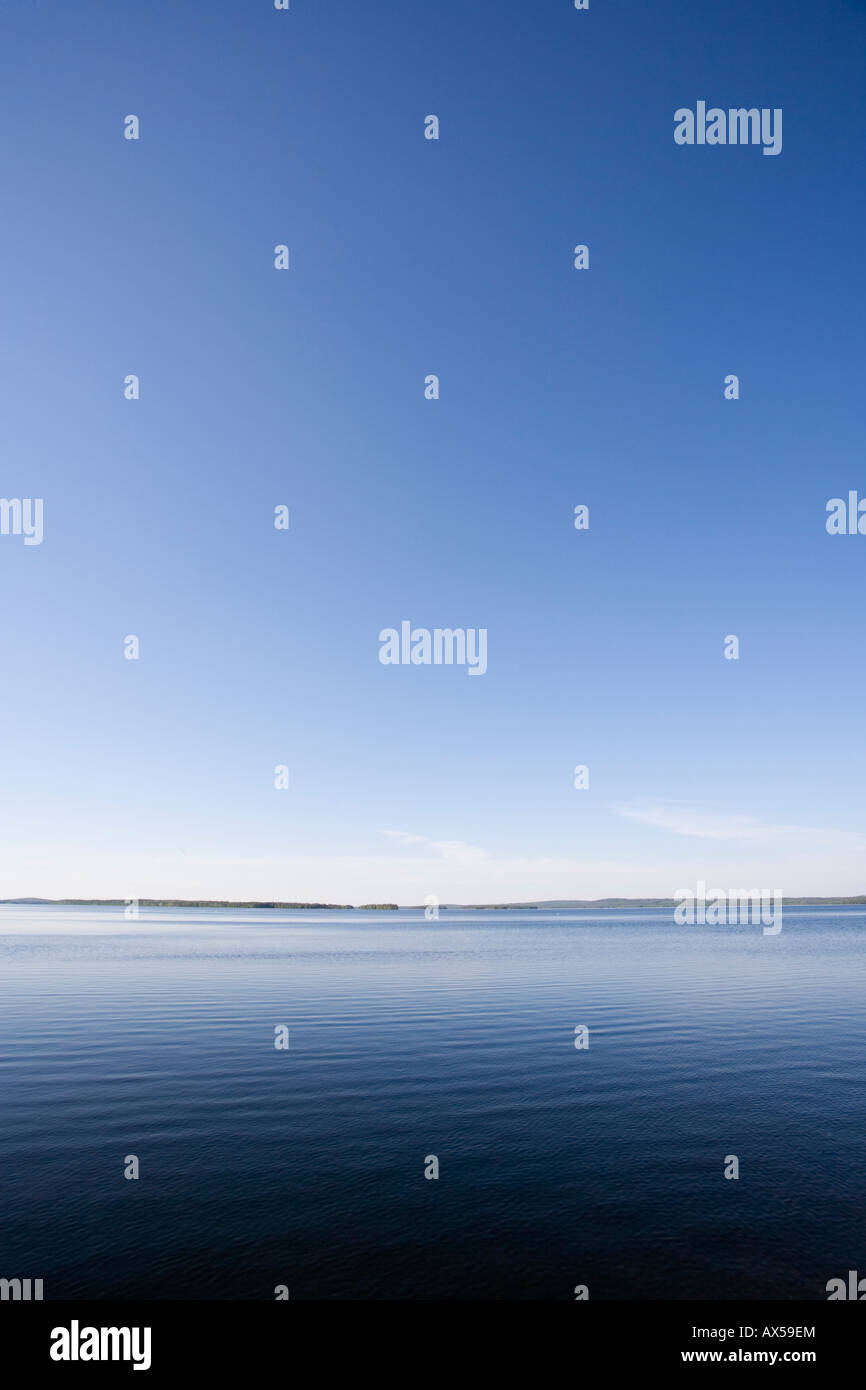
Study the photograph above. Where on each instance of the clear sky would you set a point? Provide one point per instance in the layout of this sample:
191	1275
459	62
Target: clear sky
305	387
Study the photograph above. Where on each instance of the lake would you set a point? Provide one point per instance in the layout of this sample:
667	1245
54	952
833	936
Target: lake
305	1166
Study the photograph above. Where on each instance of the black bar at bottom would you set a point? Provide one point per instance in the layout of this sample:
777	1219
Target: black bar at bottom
262	1340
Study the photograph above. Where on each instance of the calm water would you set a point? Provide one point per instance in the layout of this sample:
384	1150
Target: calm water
306	1167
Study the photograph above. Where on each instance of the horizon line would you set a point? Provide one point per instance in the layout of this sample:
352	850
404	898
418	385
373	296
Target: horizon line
528	904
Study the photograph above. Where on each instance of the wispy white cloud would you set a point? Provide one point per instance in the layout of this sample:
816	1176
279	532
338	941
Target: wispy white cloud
455	851
684	819
704	844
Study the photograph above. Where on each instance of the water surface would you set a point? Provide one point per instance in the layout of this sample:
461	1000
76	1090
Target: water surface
409	1038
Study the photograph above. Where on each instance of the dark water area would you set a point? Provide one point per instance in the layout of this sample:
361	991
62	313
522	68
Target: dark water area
305	1166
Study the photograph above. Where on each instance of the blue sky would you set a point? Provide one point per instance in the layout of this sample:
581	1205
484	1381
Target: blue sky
306	387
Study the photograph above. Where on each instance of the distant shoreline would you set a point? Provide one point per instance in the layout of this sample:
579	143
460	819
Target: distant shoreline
552	905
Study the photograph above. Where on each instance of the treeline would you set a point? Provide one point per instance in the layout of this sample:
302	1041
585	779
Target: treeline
192	902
